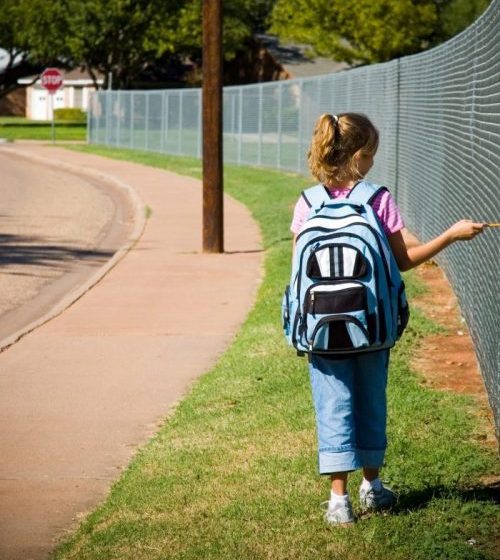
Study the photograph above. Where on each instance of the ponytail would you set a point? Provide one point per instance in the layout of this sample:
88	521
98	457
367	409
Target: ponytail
335	142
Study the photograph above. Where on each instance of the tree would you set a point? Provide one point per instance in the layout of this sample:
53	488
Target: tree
459	14
120	37
242	19
13	40
365	31
370	31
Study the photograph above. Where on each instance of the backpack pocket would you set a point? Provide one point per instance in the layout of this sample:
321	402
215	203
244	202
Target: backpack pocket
336	261
285	311
339	332
403	311
336	316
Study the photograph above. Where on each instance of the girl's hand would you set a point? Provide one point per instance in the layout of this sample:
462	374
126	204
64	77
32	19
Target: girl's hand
465	229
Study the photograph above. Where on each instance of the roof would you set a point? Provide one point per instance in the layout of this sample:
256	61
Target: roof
71	78
296	60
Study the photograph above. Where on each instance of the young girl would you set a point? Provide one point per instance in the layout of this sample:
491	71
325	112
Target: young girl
350	394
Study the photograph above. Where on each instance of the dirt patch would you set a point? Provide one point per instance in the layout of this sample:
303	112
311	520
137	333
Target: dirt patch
447	360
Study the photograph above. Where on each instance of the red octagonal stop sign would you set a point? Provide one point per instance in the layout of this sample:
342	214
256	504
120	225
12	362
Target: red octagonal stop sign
52	79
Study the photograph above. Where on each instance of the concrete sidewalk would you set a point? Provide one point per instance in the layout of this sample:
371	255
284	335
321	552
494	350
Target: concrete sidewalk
81	392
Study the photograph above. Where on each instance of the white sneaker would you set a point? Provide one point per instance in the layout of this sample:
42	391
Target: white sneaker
338	513
372	500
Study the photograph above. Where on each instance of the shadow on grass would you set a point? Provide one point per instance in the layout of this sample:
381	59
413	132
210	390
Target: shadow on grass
414	501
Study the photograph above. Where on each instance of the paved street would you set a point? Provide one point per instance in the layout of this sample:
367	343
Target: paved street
56	229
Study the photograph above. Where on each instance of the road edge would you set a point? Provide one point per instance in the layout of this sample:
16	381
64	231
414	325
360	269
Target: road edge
139	220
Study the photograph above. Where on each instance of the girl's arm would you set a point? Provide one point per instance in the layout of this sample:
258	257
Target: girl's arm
409	252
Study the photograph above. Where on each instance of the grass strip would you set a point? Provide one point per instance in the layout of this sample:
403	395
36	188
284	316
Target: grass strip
22	129
232	472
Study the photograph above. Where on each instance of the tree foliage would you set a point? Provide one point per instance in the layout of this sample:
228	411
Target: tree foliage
370	31
120	37
458	14
16	63
125	38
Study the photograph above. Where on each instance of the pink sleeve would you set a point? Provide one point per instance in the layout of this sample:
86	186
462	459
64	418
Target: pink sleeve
388	213
299	215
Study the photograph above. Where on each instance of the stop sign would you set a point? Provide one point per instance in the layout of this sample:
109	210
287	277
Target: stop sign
51	79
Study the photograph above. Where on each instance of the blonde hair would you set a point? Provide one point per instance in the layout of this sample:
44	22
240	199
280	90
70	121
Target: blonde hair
336	140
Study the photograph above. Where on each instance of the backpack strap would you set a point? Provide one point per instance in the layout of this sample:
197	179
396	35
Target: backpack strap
316	196
365	192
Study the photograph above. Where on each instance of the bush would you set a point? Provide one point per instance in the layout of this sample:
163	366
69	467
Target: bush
70	114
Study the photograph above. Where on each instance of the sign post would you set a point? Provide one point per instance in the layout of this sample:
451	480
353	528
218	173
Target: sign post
52	79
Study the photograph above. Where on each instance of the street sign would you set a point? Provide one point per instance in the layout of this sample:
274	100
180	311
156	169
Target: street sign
51	79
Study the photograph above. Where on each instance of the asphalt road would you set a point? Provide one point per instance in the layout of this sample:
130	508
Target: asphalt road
56	229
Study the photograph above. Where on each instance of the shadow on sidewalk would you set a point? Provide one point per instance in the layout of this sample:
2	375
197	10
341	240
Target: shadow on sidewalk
29	250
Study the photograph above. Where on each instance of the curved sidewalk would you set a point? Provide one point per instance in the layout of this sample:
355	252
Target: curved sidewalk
81	392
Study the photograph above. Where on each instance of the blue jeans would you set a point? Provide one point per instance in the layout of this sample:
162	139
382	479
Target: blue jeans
351	410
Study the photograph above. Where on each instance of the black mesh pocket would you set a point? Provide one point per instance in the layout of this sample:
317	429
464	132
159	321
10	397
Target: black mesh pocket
322	301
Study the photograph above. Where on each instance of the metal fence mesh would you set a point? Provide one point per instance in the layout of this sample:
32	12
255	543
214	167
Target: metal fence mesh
438	114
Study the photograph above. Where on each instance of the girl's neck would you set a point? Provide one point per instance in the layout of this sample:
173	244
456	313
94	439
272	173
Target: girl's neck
341	186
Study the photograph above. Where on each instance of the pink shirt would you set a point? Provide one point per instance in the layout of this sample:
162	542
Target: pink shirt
384	206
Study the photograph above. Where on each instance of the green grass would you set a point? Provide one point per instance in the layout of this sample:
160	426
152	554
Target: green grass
13	120
232	472
19	128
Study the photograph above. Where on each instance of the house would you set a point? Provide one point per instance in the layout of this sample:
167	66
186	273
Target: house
74	93
297	60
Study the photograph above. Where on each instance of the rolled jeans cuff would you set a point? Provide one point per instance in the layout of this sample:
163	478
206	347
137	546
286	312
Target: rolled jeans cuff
350	460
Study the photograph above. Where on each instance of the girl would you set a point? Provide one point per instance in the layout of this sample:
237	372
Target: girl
350	394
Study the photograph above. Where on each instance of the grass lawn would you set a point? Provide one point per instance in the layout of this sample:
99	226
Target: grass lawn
19	128
232	473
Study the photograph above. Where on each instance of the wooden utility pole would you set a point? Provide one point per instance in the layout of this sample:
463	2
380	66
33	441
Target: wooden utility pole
213	226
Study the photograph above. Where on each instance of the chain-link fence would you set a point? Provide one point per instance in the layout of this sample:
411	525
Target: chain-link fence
438	114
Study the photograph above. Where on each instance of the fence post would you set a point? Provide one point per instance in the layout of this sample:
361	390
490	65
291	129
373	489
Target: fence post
167	120
179	139
240	125
131	142
162	123
146	127
299	131
118	116
233	118
106	120
398	117
280	93
89	116
200	125
259	151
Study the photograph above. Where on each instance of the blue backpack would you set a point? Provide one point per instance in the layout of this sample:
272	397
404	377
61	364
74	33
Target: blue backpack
346	295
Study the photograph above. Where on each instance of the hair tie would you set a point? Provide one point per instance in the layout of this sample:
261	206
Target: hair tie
335	119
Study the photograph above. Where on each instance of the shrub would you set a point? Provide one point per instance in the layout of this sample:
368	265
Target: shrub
70	114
